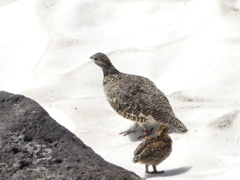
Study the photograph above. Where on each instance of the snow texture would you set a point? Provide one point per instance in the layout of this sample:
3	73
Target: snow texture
189	48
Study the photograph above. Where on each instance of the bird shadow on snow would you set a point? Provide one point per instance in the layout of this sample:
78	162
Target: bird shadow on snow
173	172
133	137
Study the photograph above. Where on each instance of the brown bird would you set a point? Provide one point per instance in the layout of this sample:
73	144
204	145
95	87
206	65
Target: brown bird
135	98
154	150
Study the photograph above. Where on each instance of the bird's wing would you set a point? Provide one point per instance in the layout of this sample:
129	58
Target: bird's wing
153	150
139	94
142	146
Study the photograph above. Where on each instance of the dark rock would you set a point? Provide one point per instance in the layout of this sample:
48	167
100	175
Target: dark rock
34	146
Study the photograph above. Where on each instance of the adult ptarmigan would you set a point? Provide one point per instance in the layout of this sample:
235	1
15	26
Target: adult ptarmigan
135	98
154	150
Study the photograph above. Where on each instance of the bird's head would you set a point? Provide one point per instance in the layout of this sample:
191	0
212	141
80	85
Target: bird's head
162	130
101	60
104	62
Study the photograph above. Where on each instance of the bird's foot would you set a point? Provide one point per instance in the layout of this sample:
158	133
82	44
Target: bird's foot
156	172
124	133
131	130
146	133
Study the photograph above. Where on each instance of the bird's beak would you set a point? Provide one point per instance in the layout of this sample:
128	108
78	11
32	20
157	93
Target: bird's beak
168	129
92	57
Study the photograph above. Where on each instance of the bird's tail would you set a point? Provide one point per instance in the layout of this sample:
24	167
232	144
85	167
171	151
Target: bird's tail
175	122
136	159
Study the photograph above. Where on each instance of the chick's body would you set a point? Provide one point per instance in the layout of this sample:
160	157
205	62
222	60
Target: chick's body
135	97
154	150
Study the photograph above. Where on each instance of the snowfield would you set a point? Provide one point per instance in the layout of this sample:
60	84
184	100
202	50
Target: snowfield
189	48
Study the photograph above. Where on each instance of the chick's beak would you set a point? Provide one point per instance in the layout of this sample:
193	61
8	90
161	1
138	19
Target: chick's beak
168	129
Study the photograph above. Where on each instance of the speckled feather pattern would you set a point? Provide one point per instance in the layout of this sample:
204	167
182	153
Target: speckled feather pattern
153	150
135	97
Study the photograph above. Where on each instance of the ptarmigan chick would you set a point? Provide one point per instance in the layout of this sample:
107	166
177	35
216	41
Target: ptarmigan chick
154	150
135	98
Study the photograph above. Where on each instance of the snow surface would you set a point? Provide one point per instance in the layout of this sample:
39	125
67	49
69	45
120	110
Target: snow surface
189	48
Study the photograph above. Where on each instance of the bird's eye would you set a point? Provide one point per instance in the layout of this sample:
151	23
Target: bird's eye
95	59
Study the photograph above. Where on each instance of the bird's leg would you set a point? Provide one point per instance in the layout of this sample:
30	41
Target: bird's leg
131	130
146	131
155	170
146	169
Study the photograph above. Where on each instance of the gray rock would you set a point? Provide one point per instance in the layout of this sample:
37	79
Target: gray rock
34	146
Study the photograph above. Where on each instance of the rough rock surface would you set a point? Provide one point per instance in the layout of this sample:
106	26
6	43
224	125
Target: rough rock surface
34	146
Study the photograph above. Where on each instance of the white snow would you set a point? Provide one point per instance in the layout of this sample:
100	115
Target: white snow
189	48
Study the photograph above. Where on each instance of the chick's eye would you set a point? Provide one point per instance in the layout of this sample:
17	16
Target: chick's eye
95	59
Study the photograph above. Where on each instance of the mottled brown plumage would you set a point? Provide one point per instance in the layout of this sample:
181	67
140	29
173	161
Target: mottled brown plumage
154	150
135	97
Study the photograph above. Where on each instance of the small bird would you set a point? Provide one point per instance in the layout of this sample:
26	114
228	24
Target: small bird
154	150
135	98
